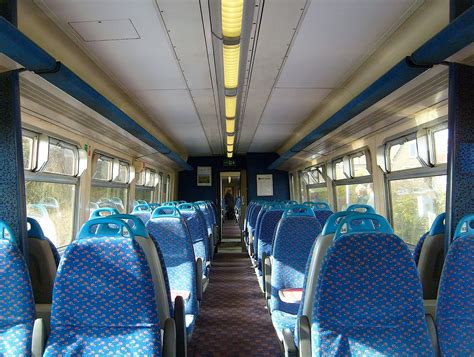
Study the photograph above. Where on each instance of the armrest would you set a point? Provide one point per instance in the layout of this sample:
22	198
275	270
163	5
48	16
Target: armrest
289	344
169	339
291	296
180	322
430	307
38	338
181	293
199	278
304	336
268	277
433	333
43	311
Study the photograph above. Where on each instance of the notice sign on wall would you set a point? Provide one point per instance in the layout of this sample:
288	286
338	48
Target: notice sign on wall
265	185
204	176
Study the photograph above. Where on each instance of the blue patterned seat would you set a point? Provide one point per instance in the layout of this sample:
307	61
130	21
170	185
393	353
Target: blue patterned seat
197	228
142	211
17	309
170	231
269	224
258	227
322	211
103	301
294	237
368	299
455	309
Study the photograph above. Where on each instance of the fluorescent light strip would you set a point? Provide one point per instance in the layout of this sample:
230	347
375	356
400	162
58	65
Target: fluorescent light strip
231	55
232	13
230	106
230	125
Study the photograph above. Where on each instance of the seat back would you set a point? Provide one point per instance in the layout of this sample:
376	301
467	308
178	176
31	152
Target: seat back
142	211
253	217
322	211
103	212
258	226
43	262
429	257
169	230
368	297
294	237
198	231
455	309
207	215
17	309
269	224
361	208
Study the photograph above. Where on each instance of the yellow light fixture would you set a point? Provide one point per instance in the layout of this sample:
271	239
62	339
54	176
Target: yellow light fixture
230	148
230	125
230	106
230	139
232	12
229	155
231	55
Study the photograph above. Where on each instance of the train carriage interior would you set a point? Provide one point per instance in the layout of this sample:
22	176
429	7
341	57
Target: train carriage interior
237	178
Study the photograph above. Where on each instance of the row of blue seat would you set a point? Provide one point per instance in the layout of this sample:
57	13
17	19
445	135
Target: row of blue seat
364	276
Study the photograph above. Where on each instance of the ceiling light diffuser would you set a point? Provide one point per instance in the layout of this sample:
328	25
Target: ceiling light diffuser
232	12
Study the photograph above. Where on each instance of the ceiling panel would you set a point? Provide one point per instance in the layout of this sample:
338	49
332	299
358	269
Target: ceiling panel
267	137
336	36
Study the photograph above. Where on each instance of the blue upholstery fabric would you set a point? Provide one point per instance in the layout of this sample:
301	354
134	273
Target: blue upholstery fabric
207	215
294	238
265	242
172	235
258	229
417	250
283	320
455	310
198	231
253	218
17	309
103	301
322	216
368	299
143	215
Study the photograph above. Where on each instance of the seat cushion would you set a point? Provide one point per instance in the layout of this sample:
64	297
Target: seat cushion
283	320
15	340
80	341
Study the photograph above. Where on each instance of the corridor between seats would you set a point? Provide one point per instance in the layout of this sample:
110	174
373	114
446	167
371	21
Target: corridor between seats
233	320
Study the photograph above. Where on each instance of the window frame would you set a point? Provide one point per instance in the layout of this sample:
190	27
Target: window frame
425	170
321	170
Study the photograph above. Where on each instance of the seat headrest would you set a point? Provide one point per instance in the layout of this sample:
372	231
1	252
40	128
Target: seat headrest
363	222
154	205
361	208
465	226
333	221
34	229
166	211
321	206
187	207
298	211
439	225
103	212
110	226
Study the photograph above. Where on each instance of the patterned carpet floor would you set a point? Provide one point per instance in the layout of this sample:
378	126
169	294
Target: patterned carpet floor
233	320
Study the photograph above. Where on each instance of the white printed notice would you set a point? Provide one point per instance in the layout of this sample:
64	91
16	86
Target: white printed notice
265	185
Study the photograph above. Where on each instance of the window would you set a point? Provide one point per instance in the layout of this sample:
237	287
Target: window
417	187
314	183
353	180
145	194
168	188
147	181
110	184
51	170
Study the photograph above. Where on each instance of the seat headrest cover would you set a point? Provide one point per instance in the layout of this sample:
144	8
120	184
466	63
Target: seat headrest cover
104	211
154	205
136	224
186	207
34	229
465	226
166	211
333	221
364	222
142	207
298	211
364	208
6	233
438	226
120	228
321	206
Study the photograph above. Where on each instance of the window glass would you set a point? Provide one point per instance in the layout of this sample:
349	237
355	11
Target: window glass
359	165
415	204
62	159
103	170
141	179
144	194
168	188
150	178
357	193
123	173
318	194
404	156
441	146
115	197
339	170
52	205
27	152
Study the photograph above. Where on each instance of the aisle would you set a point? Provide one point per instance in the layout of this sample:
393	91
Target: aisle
233	320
